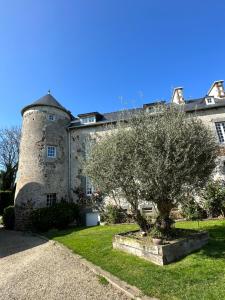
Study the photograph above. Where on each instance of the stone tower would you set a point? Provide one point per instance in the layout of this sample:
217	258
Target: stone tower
43	163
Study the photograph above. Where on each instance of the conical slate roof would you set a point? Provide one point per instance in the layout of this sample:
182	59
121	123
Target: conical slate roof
47	100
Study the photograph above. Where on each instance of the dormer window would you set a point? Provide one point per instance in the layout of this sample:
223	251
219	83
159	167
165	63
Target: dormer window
209	100
51	117
154	107
88	120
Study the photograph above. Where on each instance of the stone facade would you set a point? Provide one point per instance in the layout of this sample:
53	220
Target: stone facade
42	179
38	174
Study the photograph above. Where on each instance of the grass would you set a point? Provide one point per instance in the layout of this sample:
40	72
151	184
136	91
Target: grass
102	280
200	275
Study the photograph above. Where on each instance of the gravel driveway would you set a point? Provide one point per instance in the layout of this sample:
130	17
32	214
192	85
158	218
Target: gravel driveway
32	268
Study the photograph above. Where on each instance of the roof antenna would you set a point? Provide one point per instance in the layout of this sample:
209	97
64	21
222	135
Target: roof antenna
49	92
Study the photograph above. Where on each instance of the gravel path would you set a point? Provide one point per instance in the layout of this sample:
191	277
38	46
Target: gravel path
32	268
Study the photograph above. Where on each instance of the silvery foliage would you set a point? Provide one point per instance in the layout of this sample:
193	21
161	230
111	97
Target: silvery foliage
157	156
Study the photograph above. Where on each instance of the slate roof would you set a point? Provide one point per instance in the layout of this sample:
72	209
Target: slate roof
112	117
200	104
189	106
47	100
107	118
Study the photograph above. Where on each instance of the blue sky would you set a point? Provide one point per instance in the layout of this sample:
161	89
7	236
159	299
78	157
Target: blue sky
105	55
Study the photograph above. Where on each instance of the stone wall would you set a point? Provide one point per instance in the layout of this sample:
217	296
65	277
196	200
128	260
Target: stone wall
80	136
39	175
161	254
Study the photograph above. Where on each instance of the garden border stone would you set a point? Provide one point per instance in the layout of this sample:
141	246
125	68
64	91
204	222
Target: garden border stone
161	254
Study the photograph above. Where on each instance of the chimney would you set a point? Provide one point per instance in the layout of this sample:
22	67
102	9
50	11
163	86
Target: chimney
217	90
177	96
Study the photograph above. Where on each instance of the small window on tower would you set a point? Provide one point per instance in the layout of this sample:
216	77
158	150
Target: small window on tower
51	151
51	199
51	117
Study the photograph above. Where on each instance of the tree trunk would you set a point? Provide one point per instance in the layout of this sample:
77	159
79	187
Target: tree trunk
141	221
164	221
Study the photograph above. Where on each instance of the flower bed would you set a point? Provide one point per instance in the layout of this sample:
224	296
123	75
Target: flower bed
168	252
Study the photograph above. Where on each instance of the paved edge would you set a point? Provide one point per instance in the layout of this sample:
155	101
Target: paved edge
131	291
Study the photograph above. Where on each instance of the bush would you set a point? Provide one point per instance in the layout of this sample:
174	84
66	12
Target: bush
8	217
57	216
114	215
176	214
6	199
193	211
214	196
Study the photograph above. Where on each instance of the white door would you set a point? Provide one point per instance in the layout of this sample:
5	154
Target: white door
92	219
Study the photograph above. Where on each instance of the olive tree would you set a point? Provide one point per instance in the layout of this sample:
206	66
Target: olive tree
156	157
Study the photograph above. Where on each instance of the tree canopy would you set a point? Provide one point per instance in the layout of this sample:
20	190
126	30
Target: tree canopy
9	155
154	157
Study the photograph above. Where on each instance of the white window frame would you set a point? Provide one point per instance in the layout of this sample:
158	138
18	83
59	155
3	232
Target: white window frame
220	129
209	100
51	151
89	187
51	117
88	120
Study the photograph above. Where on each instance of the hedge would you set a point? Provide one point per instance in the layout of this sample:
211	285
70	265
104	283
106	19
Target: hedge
57	216
6	199
8	217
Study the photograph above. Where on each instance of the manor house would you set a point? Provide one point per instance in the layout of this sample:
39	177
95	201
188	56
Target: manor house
53	140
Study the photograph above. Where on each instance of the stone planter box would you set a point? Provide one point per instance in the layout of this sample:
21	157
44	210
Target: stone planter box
161	254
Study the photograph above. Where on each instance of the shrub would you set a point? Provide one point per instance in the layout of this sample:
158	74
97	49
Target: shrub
114	215
156	233
214	196
193	211
6	199
176	214
8	217
57	216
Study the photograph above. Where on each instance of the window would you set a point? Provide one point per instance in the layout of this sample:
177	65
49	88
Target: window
51	117
87	120
51	199
220	128
147	210
209	100
223	167
51	151
89	187
87	147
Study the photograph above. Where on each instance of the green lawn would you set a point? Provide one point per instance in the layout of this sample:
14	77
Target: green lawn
199	276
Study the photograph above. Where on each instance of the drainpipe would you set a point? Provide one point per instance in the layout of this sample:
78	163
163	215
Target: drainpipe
69	166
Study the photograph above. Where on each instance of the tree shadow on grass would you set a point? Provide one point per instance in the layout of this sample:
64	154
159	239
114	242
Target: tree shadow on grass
51	234
216	246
